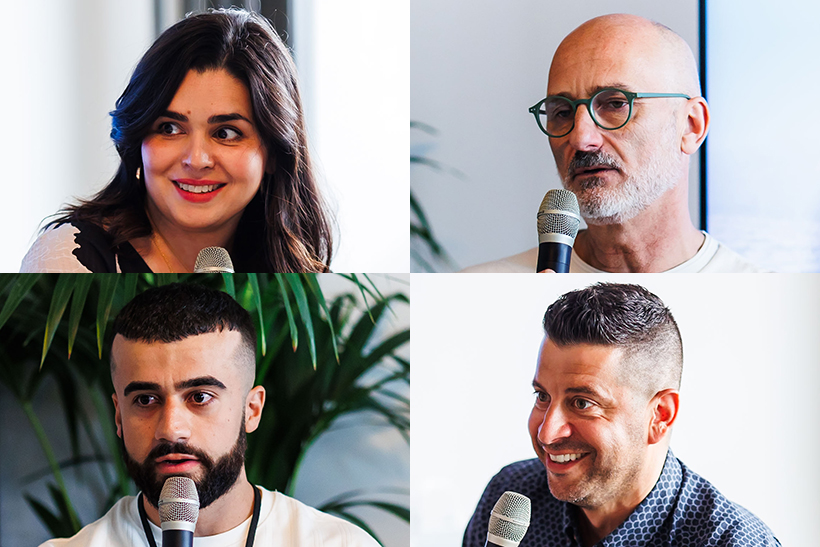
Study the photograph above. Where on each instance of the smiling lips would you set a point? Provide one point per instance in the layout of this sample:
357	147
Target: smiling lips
198	191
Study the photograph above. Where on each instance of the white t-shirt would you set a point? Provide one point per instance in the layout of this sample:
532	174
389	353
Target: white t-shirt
712	257
283	521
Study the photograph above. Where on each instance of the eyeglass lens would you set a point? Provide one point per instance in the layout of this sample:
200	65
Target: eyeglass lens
610	110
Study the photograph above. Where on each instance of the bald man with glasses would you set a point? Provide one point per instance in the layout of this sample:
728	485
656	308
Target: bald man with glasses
623	114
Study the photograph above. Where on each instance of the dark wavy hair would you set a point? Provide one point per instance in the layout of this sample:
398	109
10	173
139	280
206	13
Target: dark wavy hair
626	316
286	226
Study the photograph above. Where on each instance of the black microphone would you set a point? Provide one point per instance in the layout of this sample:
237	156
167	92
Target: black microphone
558	221
509	520
178	511
213	260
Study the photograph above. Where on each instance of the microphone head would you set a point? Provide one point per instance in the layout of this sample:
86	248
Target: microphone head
559	217
178	504
509	519
213	260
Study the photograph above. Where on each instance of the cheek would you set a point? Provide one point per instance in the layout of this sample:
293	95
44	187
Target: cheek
157	157
535	421
249	167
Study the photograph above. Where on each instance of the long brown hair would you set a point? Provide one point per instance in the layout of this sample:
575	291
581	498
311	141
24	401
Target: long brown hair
286	226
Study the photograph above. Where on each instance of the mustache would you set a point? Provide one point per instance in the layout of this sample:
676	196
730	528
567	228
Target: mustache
179	448
567	446
583	159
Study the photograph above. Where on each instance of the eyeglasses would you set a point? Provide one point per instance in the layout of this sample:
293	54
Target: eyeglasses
609	108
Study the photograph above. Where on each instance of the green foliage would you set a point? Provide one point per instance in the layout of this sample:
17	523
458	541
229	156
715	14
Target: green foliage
341	367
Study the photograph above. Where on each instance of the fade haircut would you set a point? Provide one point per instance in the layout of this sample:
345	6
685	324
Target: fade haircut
171	313
628	317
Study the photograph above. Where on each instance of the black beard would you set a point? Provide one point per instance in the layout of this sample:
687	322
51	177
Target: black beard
219	476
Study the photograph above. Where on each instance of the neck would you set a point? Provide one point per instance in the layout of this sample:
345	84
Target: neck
229	511
659	238
171	248
596	523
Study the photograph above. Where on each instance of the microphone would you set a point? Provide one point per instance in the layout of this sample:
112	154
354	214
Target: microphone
509	520
558	221
213	260
178	511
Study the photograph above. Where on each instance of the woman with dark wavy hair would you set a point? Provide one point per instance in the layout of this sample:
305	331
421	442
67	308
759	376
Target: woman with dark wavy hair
213	152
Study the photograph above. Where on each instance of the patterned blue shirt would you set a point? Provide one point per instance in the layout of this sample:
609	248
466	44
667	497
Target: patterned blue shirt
682	509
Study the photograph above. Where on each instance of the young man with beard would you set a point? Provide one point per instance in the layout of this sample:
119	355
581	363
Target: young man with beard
183	366
606	397
626	157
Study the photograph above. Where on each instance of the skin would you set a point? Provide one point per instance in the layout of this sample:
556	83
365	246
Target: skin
204	416
581	407
198	148
632	53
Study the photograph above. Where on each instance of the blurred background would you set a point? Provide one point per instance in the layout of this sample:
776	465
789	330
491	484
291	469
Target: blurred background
481	166
67	62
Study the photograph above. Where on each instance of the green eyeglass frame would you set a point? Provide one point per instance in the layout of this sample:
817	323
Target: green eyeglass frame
536	111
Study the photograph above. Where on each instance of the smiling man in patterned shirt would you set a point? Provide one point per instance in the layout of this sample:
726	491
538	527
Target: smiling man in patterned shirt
606	396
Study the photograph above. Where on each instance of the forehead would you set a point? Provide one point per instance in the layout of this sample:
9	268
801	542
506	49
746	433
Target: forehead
211	92
579	365
593	58
214	354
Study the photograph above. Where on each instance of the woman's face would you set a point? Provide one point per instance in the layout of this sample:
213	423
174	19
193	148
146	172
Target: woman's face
203	160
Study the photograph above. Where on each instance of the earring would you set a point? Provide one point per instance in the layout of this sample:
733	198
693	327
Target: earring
139	172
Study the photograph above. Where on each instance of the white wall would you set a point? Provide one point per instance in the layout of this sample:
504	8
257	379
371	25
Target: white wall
475	72
64	65
763	181
748	420
353	59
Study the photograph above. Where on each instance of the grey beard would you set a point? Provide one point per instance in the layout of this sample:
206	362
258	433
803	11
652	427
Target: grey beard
602	205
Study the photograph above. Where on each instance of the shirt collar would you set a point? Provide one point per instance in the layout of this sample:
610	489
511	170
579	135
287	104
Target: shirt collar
647	518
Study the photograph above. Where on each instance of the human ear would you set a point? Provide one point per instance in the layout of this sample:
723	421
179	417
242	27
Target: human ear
117	415
697	125
254	403
664	407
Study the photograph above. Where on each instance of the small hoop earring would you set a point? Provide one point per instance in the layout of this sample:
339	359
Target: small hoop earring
139	172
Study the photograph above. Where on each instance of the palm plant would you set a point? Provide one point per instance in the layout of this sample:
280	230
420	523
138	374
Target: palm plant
319	360
425	249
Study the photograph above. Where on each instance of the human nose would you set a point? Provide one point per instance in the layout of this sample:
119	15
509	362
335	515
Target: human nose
199	154
554	426
586	135
173	425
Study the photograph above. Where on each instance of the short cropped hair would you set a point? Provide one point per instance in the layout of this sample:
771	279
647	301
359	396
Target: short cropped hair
628	317
171	313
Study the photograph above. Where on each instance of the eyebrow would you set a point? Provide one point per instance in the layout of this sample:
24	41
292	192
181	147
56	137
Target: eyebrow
217	118
580	390
184	384
596	89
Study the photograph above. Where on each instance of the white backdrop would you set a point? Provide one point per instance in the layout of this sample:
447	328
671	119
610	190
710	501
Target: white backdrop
764	198
749	414
67	62
475	72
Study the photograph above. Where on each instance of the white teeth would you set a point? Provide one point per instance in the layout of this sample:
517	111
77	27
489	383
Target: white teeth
198	189
563	458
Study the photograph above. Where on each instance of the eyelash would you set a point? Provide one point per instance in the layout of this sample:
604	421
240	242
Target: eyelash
210	398
162	126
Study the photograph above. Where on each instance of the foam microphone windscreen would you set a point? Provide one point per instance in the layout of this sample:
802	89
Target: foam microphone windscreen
509	520
178	504
213	260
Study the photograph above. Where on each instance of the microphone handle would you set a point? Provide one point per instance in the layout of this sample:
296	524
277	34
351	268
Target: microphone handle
177	538
554	256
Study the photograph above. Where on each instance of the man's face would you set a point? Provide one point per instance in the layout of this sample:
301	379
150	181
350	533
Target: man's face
588	429
180	411
617	174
